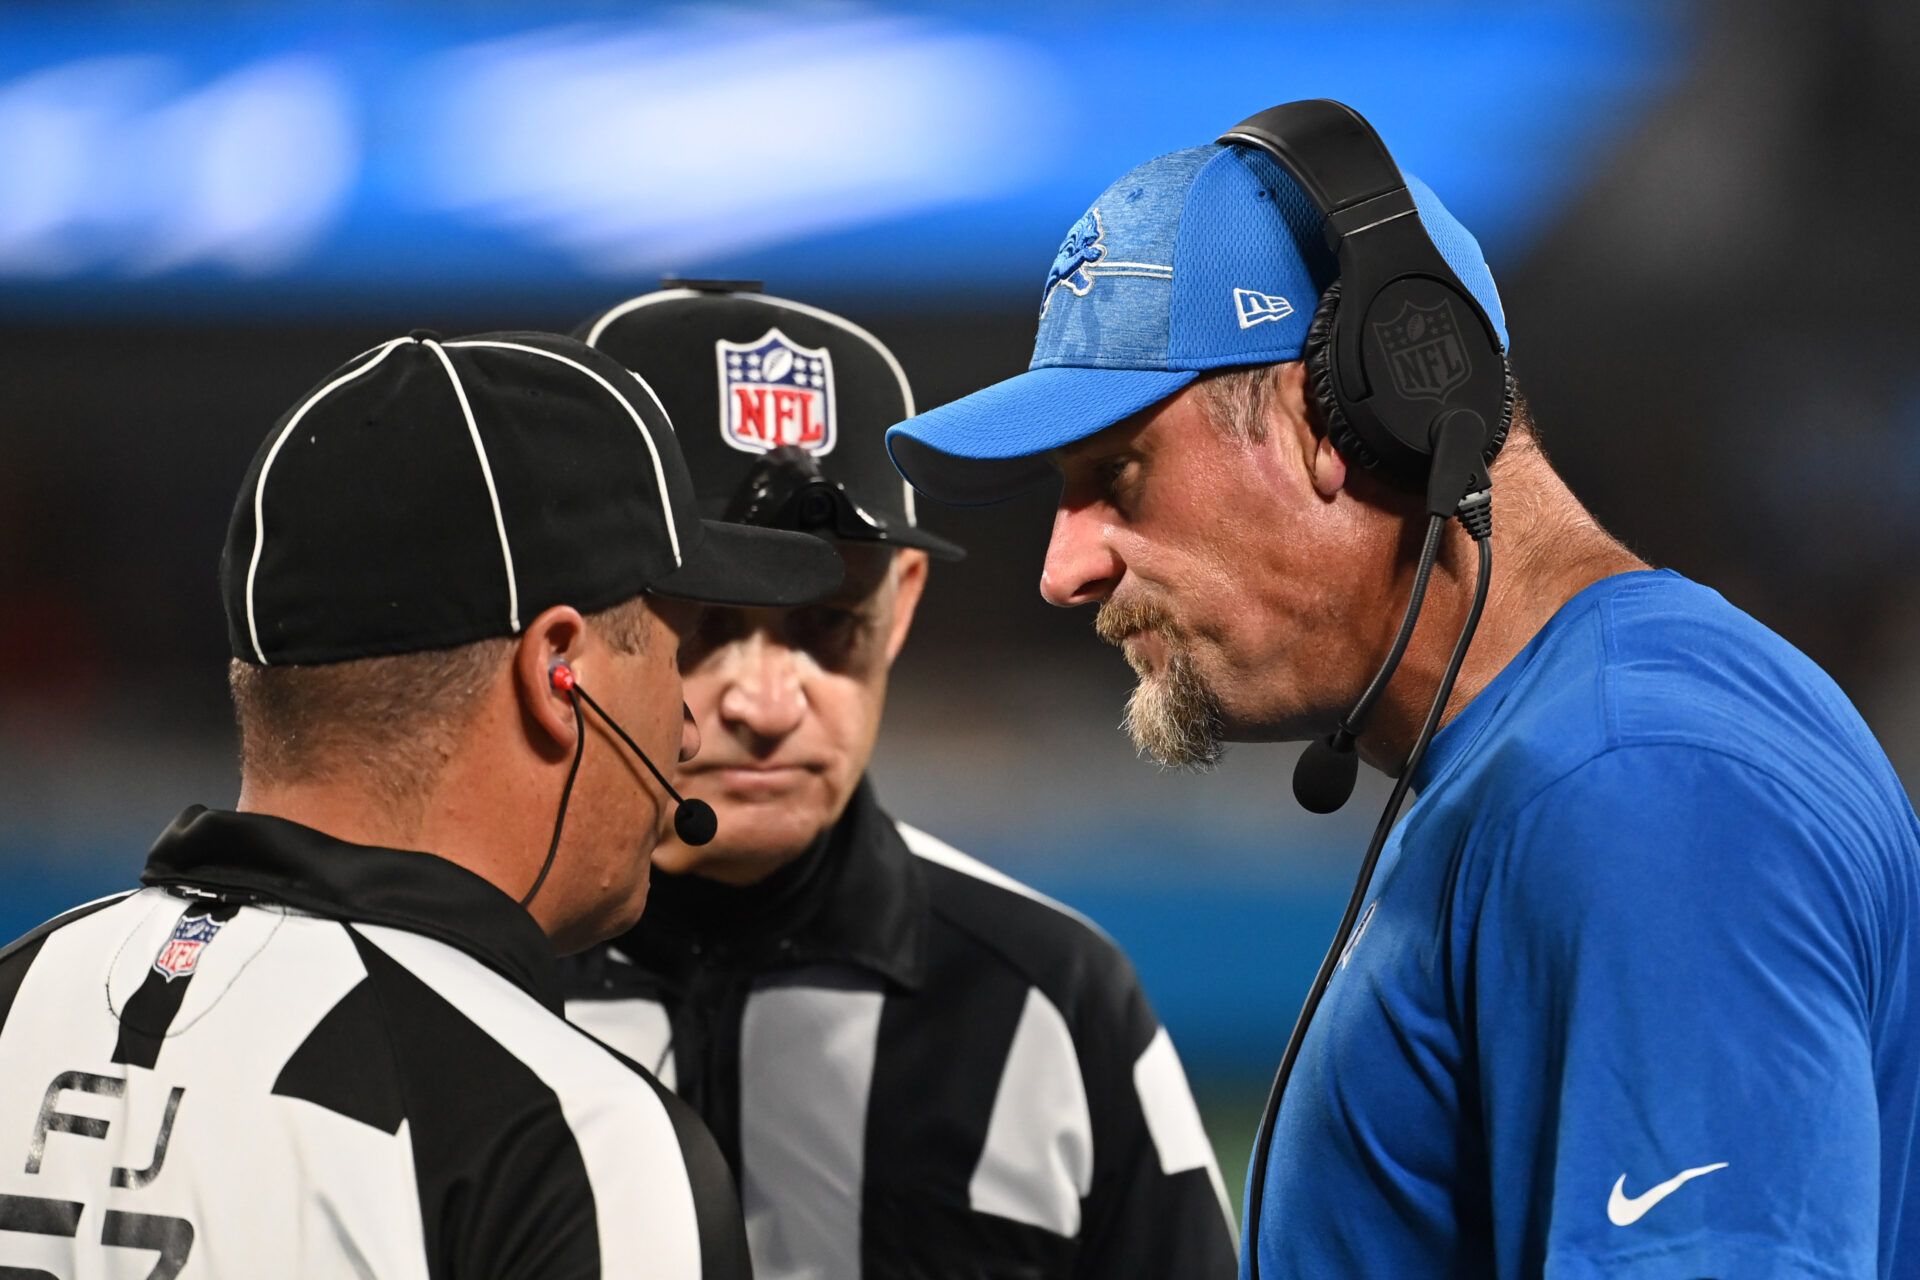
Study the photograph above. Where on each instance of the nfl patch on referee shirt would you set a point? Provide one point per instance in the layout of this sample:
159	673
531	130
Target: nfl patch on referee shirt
180	954
775	392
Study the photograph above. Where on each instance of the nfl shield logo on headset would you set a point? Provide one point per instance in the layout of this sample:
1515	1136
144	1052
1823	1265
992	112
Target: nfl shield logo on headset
1423	345
775	392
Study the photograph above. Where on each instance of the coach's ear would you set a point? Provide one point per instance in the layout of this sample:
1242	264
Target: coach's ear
554	639
1295	409
1328	468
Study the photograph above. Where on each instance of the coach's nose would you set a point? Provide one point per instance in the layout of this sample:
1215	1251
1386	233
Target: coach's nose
764	694
1081	566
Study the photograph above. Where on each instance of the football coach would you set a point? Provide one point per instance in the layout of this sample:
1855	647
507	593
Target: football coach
326	1037
1631	989
917	1065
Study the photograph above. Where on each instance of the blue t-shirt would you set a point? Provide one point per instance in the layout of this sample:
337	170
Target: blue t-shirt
1634	992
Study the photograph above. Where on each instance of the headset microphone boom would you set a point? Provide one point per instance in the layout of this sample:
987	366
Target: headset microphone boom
693	820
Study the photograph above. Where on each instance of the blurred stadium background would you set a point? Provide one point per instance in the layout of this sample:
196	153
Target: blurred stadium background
1700	216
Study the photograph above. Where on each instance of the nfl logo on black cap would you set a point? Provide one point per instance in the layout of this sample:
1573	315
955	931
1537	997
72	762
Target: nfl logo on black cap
763	389
775	392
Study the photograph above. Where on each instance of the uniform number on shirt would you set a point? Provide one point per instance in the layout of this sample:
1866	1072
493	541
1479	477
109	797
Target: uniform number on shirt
172	1238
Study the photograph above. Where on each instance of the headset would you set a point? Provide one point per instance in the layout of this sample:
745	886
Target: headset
1410	381
693	820
1388	389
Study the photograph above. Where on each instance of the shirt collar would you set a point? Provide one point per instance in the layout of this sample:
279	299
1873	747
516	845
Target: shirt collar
251	857
1451	744
856	897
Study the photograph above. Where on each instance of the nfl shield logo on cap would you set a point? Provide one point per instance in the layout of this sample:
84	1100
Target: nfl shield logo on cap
775	392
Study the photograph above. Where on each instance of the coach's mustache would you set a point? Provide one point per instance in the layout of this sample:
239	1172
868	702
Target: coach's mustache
1118	619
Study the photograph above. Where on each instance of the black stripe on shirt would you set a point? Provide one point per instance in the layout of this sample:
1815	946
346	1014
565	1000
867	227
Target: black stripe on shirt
504	1191
915	1215
332	1068
150	1011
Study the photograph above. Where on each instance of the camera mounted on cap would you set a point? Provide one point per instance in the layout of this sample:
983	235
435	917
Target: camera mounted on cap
786	490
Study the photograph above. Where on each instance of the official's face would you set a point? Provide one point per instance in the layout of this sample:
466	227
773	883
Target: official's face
1220	570
788	703
618	813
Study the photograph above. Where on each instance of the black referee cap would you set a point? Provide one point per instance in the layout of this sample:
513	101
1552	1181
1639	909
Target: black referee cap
782	408
431	493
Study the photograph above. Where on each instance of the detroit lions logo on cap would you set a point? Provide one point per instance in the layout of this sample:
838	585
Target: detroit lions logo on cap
180	953
775	392
1078	251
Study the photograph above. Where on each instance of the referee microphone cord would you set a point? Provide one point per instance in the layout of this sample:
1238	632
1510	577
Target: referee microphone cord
693	820
1327	780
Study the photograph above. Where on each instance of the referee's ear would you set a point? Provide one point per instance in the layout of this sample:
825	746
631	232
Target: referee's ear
557	635
910	566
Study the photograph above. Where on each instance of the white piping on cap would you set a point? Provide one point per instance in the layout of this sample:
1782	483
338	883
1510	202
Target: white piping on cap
493	494
653	396
260	486
634	304
659	472
669	295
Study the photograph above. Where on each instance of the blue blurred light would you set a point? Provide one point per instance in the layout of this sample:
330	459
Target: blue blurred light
287	157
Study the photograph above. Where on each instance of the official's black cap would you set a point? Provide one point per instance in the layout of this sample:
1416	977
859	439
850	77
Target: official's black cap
430	493
782	408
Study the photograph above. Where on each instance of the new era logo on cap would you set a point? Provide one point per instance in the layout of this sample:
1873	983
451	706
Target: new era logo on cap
1257	308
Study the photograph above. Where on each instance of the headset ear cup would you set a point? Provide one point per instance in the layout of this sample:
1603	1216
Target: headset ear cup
1318	354
1498	439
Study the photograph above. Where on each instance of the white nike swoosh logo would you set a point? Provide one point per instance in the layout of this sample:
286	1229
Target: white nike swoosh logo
1624	1210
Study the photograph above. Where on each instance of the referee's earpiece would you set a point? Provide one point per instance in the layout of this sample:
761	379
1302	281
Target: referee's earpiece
693	820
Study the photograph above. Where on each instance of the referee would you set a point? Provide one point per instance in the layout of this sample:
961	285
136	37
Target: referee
916	1065
305	1049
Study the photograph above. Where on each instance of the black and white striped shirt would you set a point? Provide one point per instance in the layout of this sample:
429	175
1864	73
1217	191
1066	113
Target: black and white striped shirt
918	1068
291	1056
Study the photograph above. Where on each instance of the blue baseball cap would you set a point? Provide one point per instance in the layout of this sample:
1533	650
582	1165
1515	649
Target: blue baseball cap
1199	259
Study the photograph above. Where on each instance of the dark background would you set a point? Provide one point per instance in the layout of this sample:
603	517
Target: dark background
1716	326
